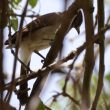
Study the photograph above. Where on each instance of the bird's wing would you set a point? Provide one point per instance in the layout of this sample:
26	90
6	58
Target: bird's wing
40	22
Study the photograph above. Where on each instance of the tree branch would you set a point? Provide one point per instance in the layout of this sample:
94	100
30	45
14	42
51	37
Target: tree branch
87	7
3	22
102	49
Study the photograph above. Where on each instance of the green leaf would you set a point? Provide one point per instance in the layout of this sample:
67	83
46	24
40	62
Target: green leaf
32	3
15	4
17	1
41	106
14	23
107	77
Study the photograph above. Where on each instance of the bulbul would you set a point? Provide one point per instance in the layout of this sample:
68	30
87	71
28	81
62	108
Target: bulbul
36	36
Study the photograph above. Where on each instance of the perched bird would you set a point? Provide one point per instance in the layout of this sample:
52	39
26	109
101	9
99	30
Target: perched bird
36	36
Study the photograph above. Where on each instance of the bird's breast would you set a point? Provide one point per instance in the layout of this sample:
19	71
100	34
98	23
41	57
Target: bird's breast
40	39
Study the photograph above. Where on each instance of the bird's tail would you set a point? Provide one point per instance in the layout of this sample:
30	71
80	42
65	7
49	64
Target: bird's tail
25	56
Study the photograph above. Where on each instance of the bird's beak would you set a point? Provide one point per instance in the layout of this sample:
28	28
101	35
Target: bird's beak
78	30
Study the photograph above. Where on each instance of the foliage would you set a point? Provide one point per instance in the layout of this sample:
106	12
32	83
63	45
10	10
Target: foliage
107	77
32	3
14	23
41	106
13	7
104	101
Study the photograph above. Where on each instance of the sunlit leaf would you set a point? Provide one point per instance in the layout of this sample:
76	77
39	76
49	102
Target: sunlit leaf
16	1
32	3
14	23
15	4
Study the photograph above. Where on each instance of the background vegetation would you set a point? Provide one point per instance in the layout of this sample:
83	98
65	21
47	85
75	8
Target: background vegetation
84	86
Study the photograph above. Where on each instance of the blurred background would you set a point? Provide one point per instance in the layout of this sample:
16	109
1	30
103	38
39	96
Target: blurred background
72	40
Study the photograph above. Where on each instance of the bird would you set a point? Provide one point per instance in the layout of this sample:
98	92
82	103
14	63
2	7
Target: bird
36	36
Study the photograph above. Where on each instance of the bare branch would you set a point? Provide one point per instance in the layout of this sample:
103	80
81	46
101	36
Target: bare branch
102	49
87	7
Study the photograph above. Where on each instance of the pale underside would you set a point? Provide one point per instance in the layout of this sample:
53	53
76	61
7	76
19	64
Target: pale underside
38	40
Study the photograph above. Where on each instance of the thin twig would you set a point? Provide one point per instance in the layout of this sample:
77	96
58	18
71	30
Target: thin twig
20	15
40	55
27	67
16	50
66	95
68	75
